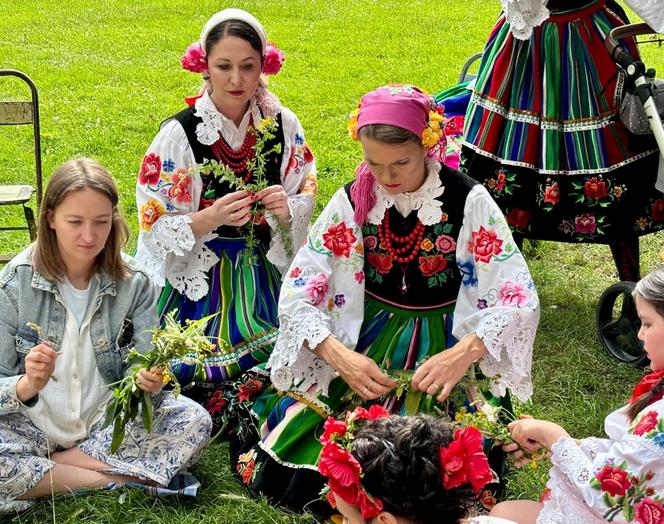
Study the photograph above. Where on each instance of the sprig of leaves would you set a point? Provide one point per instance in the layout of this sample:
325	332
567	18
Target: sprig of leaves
173	341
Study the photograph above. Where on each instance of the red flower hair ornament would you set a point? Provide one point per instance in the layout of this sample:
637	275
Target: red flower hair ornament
195	61
464	461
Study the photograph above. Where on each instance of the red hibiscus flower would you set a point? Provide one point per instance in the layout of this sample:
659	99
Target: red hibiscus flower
464	461
657	209
339	239
552	194
585	223
485	244
179	191
374	412
339	465
348	493
380	262
249	389
150	170
613	481
649	511
646	423
332	427
518	218
369	506
432	264
595	188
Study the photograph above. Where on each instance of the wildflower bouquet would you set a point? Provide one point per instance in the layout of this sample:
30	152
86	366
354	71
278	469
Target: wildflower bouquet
256	165
172	341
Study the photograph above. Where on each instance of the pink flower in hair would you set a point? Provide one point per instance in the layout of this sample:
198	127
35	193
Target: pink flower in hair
273	59
194	59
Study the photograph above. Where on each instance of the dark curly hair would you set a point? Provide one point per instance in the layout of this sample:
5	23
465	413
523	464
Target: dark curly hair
400	465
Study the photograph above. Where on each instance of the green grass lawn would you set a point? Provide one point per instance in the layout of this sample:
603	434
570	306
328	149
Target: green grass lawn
108	74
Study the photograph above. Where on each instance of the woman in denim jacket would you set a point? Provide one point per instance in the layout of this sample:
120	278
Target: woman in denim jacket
71	307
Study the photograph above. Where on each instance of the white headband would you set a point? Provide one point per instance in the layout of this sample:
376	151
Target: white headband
233	14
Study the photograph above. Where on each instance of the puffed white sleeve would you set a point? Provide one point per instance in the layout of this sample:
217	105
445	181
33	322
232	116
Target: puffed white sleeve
168	189
524	15
298	178
621	480
651	11
497	299
322	294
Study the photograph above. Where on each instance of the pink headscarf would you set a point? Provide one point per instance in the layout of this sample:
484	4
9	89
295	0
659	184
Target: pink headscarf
401	106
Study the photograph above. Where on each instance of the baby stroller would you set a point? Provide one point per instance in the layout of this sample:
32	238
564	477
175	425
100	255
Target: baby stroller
617	321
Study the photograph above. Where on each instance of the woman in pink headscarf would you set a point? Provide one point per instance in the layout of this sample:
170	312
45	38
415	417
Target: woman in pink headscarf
409	272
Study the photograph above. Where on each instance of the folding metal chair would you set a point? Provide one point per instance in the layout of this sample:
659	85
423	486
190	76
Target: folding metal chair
17	113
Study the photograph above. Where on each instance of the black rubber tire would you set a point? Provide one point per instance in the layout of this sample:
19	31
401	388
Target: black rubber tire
618	334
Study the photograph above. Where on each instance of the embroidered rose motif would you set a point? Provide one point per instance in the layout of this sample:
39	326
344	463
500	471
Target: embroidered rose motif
179	191
216	403
150	170
518	218
614	481
150	213
500	181
339	239
245	466
585	223
205	202
552	194
512	294
359	277
426	245
445	244
295	272
657	209
432	264
646	423
249	389
485	244
649	511
595	188
380	262
370	242
317	288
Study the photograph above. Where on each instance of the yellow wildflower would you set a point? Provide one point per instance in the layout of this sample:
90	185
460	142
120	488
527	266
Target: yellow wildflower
166	378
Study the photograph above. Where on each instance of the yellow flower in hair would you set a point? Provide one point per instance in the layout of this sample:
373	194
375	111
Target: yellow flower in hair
352	123
430	137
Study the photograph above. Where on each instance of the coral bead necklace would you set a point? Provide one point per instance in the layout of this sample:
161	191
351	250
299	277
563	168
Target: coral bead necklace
403	249
237	160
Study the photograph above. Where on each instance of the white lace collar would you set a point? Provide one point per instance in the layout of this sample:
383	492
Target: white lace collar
214	123
429	210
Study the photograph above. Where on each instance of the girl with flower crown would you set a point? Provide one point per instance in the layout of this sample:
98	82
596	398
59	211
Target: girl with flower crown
616	479
392	469
411	269
214	246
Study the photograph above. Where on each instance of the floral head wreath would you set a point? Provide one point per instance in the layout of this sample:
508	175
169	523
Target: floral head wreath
194	59
461	462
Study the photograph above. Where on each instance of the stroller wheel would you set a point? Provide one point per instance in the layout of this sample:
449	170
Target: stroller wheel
618	324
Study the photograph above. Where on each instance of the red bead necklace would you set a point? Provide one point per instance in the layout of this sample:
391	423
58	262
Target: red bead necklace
409	243
237	160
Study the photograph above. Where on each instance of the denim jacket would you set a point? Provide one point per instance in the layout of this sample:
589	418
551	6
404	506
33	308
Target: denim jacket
122	314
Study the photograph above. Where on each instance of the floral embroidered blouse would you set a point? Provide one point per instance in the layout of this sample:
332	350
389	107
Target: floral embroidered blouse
324	290
168	190
617	479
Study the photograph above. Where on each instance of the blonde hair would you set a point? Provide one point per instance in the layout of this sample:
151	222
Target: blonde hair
76	175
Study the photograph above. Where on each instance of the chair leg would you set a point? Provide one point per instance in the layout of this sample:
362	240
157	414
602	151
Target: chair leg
30	219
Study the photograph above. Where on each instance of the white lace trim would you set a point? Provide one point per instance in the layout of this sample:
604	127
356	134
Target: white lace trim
169	234
187	273
293	366
570	468
524	15
429	210
301	208
507	337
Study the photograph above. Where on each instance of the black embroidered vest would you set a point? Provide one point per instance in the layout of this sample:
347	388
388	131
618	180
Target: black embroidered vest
213	188
432	279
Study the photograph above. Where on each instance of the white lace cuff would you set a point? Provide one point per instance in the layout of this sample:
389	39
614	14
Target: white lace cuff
524	15
292	365
187	273
508	337
282	250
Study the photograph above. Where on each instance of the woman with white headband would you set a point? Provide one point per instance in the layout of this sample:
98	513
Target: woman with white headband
224	192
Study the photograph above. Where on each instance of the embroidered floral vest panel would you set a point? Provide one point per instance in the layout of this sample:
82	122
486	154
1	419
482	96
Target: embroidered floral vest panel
213	187
431	278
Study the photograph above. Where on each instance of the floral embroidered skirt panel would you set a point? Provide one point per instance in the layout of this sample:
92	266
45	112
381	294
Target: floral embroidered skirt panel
543	134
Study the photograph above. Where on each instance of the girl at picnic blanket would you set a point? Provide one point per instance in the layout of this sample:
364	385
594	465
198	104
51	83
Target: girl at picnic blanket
543	134
217	240
394	469
616	479
72	305
410	270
